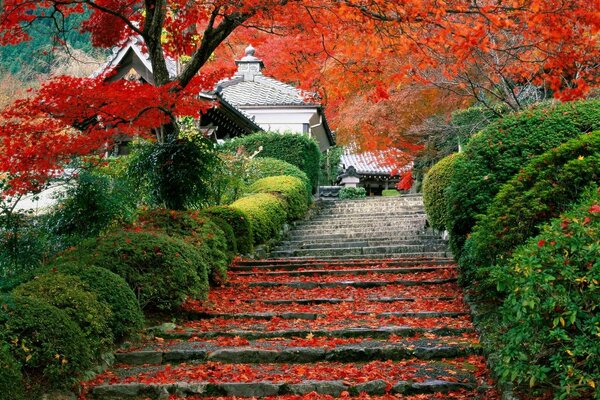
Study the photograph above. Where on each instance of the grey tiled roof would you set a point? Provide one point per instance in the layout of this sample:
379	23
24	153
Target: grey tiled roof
369	163
261	91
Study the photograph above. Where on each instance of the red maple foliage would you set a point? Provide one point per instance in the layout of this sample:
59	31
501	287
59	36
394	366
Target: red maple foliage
340	49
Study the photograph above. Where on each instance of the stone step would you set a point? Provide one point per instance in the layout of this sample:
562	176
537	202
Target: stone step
431	254
357	284
407	234
309	316
300	245
377	207
369	224
249	264
347	300
356	251
351	271
326	215
198	380
387	229
379	239
288	351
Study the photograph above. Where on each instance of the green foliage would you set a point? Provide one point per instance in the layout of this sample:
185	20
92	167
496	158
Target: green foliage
330	164
291	189
110	288
266	213
71	295
390	193
495	154
263	167
299	150
11	378
542	190
435	184
44	339
176	174
239	222
200	232
550	316
162	271
349	193
92	204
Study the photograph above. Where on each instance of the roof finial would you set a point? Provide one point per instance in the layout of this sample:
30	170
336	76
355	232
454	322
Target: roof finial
250	50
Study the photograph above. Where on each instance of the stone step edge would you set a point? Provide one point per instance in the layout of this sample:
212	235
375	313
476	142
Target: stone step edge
279	262
298	355
348	300
432	254
358	284
265	389
374	333
309	316
347	271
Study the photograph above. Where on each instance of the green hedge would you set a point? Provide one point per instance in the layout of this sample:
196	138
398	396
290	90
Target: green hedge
550	318
70	294
349	193
436	181
203	234
495	154
127	317
390	193
542	190
291	189
299	150
163	271
11	378
266	213
263	167
240	224
44	339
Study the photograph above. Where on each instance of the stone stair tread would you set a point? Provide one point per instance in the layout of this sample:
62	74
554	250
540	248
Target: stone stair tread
359	284
315	315
345	271
248	262
346	300
432	254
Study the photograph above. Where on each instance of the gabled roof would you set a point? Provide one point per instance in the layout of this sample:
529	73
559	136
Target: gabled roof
370	163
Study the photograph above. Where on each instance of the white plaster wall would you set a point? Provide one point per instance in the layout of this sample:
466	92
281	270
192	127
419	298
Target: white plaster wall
281	120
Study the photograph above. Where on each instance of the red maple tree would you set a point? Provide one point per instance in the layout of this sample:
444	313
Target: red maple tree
339	48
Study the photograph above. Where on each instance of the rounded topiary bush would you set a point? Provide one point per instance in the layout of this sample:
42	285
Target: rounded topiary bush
198	230
70	294
239	222
436	181
266	212
550	315
162	271
390	193
350	193
44	339
291	189
11	378
498	152
127	317
263	167
547	186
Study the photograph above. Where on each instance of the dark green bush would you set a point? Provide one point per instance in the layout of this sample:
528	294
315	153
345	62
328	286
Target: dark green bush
436	182
550	344
330	165
44	339
299	150
259	168
199	231
266	213
70	294
495	154
547	186
239	222
127	317
349	193
291	189
162	271
175	174
11	378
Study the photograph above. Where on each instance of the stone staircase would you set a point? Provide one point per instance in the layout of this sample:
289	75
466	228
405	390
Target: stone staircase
379	227
317	325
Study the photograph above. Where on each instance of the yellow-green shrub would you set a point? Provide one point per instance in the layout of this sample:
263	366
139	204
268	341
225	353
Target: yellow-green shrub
266	212
291	189
436	181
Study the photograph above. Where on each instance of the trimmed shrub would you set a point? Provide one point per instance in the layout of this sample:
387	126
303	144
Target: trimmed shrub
266	213
263	167
495	154
349	193
291	189
199	231
162	271
541	191
550	334
11	378
70	294
299	150
436	182
390	193
239	222
127	317
44	339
